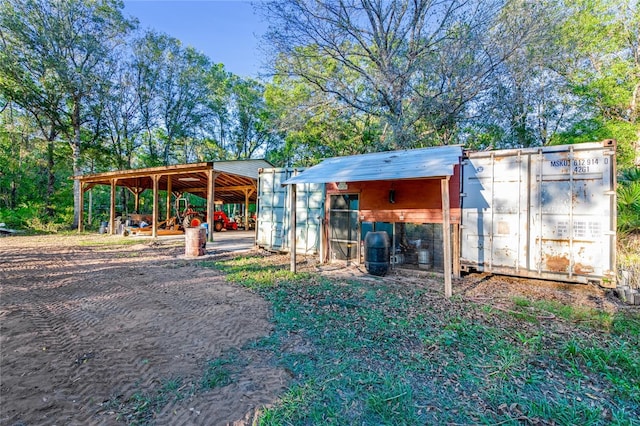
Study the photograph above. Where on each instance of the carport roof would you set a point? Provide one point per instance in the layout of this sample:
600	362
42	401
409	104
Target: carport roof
392	165
233	178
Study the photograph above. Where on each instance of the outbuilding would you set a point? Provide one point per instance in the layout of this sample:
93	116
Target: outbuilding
543	212
215	181
413	195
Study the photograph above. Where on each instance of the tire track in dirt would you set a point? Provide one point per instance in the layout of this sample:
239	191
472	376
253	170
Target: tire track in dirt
83	327
254	387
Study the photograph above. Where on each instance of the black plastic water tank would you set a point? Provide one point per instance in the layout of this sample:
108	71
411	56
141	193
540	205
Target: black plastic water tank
376	252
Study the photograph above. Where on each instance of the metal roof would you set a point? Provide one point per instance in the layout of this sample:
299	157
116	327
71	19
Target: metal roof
248	168
391	165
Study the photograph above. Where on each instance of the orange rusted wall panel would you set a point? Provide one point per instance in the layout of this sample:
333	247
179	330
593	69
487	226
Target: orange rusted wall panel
415	200
408	215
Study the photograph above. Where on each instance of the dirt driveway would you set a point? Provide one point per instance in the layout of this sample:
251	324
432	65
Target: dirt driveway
86	326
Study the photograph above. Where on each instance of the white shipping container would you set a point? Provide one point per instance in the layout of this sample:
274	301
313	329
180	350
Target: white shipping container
273	217
547	212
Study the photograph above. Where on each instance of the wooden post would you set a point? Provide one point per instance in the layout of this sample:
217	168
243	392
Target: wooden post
136	191
292	227
154	220
112	208
446	236
211	194
136	196
136	200
246	208
456	250
81	213
90	212
168	216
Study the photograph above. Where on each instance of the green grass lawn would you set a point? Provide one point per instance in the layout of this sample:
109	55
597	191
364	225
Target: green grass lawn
372	352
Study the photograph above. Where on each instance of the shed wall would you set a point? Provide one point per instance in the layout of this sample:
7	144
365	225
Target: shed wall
415	200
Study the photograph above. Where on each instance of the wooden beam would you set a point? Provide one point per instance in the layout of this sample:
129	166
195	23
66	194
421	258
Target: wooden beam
112	208
155	217
292	226
246	210
211	194
221	188
90	213
148	172
168	216
446	236
136	191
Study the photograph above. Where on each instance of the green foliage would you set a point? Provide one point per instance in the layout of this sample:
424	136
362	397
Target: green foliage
216	373
253	273
600	37
629	260
529	73
314	126
629	201
141	406
33	217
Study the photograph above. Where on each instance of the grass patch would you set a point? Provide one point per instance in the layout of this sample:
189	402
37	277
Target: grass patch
376	353
253	273
217	373
615	361
531	310
141	407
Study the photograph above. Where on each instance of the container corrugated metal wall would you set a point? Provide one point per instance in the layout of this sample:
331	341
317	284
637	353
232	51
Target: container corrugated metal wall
273	227
545	212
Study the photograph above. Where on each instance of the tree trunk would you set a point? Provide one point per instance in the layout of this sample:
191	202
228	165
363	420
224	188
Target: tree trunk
75	156
51	180
635	117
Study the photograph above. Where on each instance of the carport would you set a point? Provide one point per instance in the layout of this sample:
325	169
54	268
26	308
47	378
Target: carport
215	181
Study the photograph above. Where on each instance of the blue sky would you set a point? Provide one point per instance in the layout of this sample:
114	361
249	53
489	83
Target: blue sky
227	31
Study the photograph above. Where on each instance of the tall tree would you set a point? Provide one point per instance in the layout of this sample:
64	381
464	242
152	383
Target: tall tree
172	84
314	126
26	82
218	127
529	100
122	118
66	42
251	132
416	64
601	41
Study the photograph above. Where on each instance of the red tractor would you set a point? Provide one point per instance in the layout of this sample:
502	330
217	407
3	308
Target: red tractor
191	218
221	221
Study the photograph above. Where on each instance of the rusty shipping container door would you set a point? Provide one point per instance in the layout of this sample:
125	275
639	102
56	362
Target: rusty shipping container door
546	212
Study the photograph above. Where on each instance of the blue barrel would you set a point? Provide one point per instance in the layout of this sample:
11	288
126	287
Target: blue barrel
377	252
